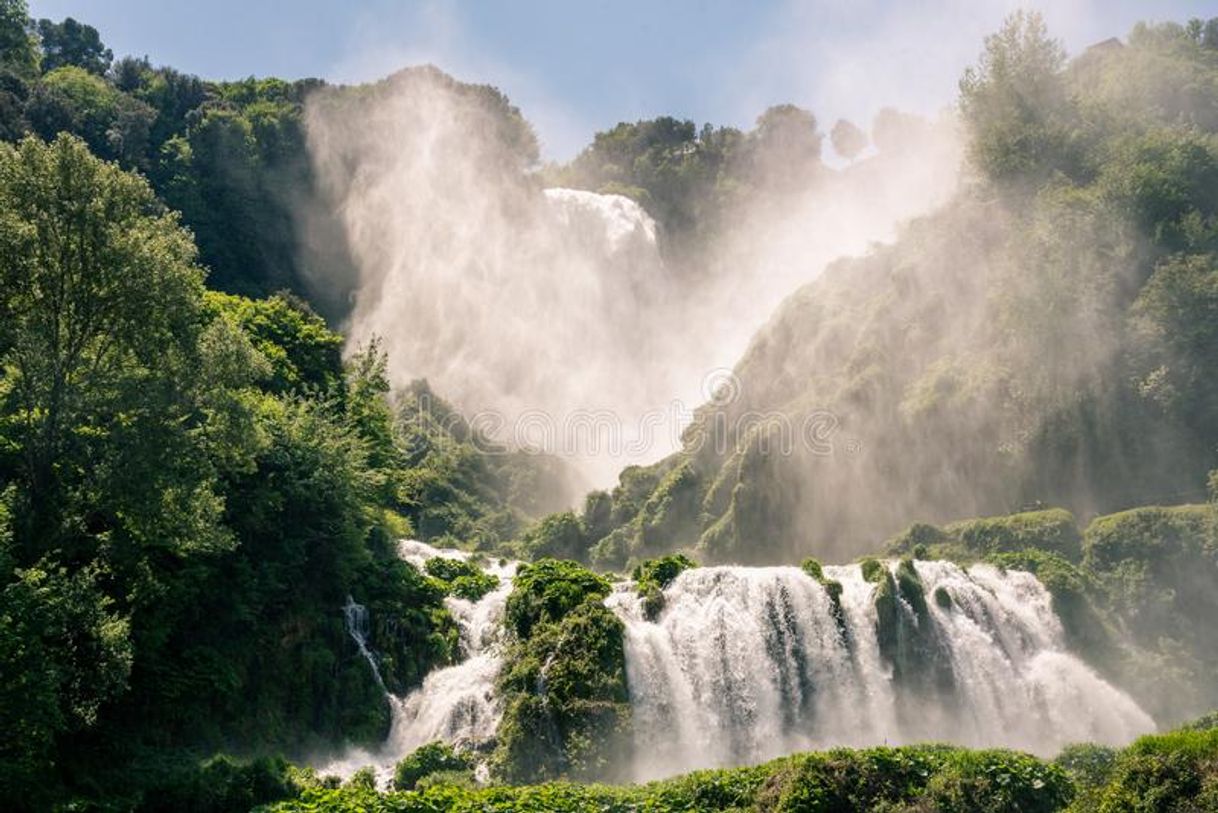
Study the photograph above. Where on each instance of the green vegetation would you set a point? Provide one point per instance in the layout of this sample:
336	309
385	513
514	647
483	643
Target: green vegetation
461	578
833	587
459	489
1047	337
194	482
653	575
915	778
563	685
432	758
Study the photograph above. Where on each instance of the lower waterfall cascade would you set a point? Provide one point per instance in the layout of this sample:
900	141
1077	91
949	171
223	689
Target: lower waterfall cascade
745	664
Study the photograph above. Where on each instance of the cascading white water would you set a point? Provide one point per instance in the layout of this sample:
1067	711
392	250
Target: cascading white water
745	664
457	703
355	616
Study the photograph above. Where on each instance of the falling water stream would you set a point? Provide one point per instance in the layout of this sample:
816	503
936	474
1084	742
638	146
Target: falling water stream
744	664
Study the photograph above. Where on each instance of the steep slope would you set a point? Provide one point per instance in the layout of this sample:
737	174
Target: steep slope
1048	336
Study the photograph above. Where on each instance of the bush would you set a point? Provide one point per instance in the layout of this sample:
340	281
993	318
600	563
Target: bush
1169	772
222	784
1053	530
563	683
461	578
432	758
547	590
653	575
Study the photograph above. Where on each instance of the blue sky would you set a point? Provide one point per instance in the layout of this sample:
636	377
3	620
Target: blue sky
576	67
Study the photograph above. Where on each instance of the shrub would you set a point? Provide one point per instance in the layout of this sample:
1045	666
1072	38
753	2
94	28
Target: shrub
222	784
461	578
426	760
1052	530
547	590
653	575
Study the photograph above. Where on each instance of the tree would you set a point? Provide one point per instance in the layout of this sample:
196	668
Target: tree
73	43
848	140
1011	98
101	304
789	131
18	50
114	124
785	147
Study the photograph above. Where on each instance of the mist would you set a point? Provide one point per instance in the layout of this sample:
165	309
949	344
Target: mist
564	320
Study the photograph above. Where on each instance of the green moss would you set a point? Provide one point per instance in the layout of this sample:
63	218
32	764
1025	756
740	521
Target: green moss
943	598
813	568
653	575
907	636
834	588
545	591
663	570
873	570
909	587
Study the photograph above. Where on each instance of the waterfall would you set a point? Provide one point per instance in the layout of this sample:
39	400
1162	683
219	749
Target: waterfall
456	703
746	664
356	619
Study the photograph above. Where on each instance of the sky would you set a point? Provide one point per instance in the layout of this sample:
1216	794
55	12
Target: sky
576	67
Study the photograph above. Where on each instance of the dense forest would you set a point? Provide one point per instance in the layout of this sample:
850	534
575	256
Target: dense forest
197	470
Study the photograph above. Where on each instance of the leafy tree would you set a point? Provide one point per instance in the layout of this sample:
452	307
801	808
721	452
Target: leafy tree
101	327
848	140
784	149
18	50
1012	97
72	100
72	43
100	297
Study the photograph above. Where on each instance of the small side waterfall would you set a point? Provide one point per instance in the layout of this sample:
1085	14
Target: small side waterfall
747	664
457	703
356	618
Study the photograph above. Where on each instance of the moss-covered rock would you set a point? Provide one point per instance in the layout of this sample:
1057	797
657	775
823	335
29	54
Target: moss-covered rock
653	575
547	590
873	570
907	635
832	587
563	684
